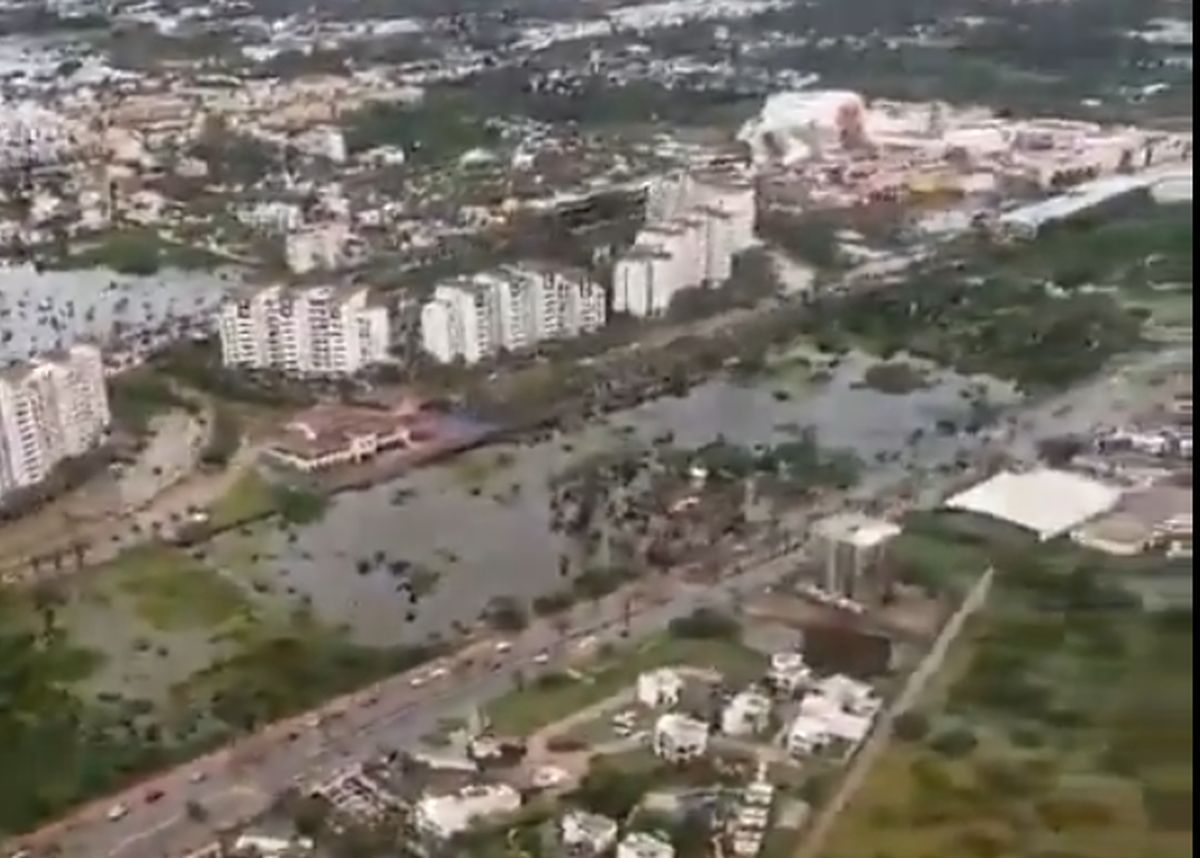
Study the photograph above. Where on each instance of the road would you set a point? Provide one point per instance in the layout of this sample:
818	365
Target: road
881	734
240	781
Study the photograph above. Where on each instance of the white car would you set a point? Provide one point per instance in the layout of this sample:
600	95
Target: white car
541	658
438	672
117	811
417	681
503	646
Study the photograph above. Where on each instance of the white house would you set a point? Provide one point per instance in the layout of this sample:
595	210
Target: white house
588	833
678	738
443	816
788	672
838	708
641	844
748	713
659	688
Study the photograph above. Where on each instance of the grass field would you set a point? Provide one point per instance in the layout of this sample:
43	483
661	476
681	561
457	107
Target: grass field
248	498
522	711
171	591
1072	708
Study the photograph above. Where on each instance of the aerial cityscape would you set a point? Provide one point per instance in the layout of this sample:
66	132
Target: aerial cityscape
599	429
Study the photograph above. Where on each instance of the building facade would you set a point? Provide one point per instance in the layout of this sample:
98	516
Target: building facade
853	553
318	330
50	410
695	226
511	308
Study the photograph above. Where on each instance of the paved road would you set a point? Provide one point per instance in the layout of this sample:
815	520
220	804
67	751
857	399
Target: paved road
240	782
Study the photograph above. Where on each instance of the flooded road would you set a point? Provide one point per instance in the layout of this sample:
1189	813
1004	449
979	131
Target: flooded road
40	311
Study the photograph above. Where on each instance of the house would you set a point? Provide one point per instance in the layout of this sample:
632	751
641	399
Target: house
749	823
837	708
748	713
443	816
659	688
588	833
678	738
641	844
788	672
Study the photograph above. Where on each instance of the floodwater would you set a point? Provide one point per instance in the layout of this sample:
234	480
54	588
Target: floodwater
494	542
41	311
481	521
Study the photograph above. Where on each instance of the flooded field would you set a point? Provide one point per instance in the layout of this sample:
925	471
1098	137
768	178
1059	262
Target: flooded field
40	311
478	526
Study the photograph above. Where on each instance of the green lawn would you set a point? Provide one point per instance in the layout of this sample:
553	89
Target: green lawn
248	498
522	712
171	591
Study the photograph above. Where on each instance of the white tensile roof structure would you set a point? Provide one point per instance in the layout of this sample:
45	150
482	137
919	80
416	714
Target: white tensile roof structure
1046	501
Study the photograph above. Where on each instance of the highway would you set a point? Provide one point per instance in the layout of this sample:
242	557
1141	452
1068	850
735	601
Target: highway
239	782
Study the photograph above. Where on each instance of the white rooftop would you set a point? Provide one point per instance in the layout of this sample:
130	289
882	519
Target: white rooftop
1045	501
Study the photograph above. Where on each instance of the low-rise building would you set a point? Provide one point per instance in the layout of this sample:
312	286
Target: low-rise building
659	688
748	713
587	833
679	738
443	816
330	435
642	844
788	673
837	708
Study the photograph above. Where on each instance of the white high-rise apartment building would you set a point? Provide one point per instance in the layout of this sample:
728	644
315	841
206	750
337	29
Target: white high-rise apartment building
695	225
50	410
511	308
314	330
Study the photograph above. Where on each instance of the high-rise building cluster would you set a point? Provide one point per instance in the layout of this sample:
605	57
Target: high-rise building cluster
51	409
510	308
312	330
695	225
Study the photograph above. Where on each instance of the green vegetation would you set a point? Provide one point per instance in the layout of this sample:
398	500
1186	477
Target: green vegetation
54	750
173	592
1019	331
895	377
809	238
1063	726
705	624
250	497
523	711
299	506
138	252
439	128
275	674
224	438
139	396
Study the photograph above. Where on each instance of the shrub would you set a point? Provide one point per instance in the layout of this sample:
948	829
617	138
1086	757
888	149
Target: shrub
705	623
954	743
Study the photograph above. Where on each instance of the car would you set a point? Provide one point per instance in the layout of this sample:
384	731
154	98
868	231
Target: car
197	777
117	811
417	681
541	658
438	672
586	643
503	646
154	795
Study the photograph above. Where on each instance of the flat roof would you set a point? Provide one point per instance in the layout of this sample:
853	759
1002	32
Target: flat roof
1046	501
